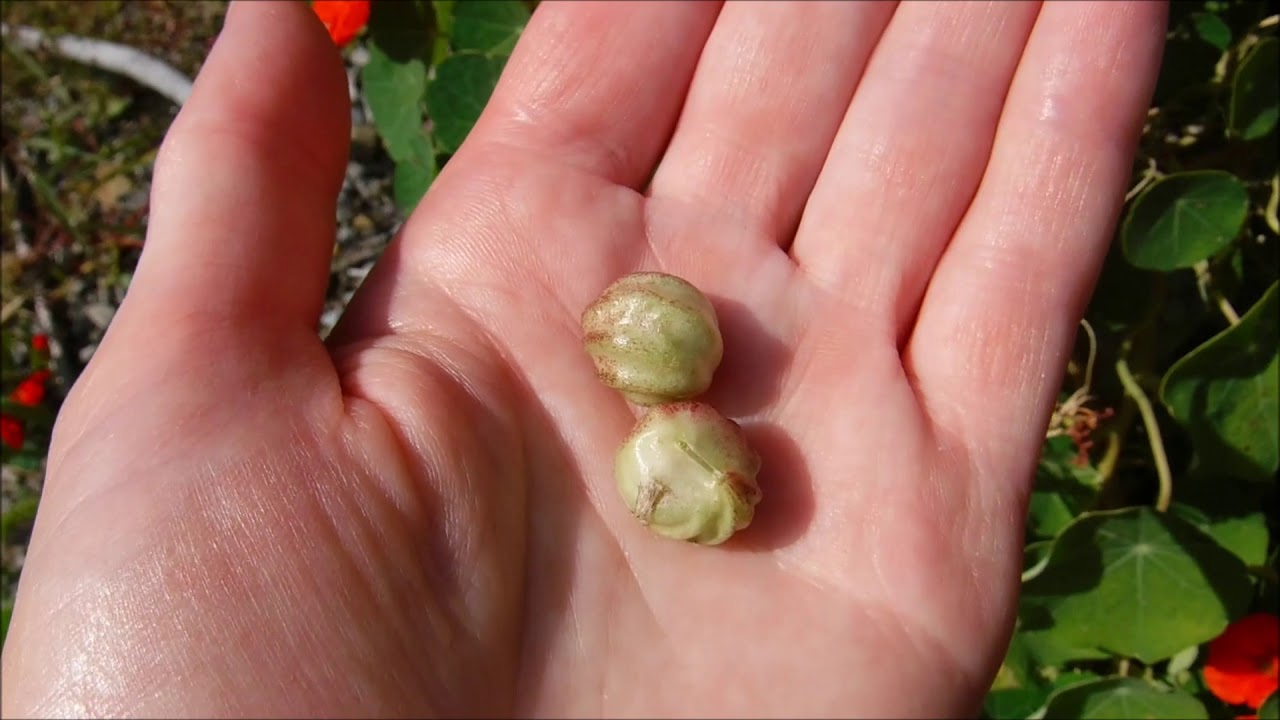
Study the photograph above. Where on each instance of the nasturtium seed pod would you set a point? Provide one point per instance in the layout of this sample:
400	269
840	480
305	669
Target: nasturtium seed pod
687	472
654	337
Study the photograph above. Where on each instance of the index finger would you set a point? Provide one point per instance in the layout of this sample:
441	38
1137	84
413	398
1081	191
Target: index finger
598	85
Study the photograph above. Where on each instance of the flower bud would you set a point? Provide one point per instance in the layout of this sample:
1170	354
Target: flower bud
687	472
653	337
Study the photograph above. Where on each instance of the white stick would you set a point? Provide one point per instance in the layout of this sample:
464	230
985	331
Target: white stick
121	59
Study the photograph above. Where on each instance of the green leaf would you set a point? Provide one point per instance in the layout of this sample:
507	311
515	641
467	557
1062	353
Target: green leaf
18	516
6	612
1045	643
1184	218
1254	92
457	95
1033	553
414	175
1182	660
1123	698
394	89
1017	669
444	30
1225	393
444	15
491	27
1072	677
1049	512
1212	30
1013	703
1140	583
1062	489
1245	536
1270	708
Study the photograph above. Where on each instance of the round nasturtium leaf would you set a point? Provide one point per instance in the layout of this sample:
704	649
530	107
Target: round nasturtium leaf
458	93
1123	698
489	27
1018	702
414	174
1184	218
1139	583
1225	393
1245	535
392	89
1254	92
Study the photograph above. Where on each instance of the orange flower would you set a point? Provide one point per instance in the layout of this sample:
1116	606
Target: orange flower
344	19
1244	660
11	433
30	392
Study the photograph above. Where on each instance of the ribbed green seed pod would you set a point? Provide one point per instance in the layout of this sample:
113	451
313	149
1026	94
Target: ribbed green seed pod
654	337
687	472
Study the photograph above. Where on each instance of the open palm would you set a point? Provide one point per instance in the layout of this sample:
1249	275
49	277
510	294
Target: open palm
418	516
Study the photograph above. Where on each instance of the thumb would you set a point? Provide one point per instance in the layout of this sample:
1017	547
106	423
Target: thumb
232	276
246	182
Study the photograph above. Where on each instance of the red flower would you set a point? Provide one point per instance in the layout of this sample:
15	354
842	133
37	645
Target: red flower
11	433
344	19
1244	659
40	343
30	392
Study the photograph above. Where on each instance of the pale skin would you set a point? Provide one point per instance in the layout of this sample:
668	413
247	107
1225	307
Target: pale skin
899	214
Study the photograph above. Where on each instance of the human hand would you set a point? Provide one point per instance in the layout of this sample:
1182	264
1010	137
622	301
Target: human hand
417	517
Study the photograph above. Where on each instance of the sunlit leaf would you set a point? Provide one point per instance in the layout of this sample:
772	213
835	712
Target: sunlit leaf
6	612
1062	488
393	89
1245	535
1140	583
414	175
1225	393
444	29
491	27
1017	669
1123	698
1184	218
458	94
1254	91
1013	703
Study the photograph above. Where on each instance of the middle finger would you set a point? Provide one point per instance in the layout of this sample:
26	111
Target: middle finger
771	86
910	153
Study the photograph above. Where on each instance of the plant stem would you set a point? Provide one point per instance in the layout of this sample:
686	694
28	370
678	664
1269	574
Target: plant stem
1266	572
1139	346
1273	204
1114	438
1211	293
1134	390
1150	175
1224	305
